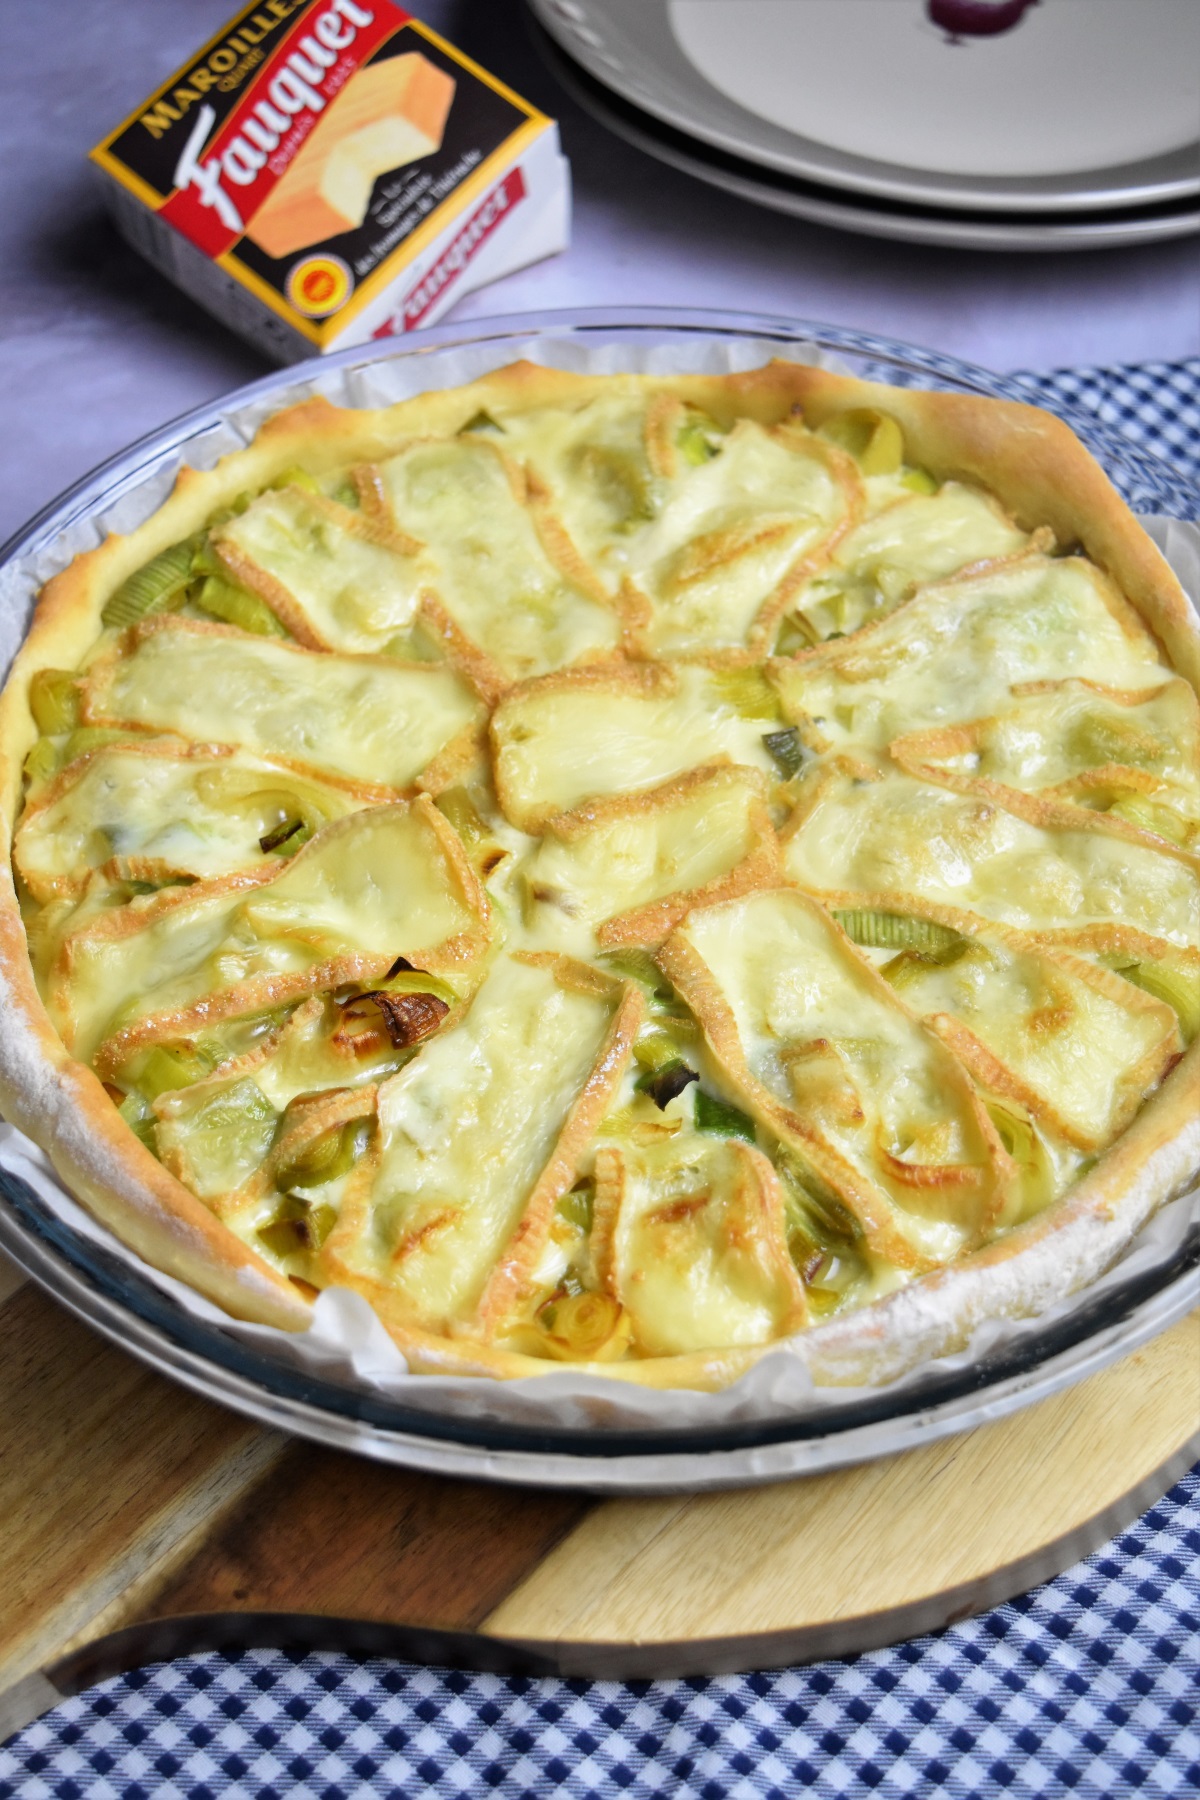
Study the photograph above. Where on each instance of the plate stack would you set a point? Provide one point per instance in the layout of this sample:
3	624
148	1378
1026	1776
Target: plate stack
986	124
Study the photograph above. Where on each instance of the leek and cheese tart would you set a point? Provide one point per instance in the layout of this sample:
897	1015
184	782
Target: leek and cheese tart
621	871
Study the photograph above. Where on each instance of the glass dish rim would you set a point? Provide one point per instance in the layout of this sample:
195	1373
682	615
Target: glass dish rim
50	1244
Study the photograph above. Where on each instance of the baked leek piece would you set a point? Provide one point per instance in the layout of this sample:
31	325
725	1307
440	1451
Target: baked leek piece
618	871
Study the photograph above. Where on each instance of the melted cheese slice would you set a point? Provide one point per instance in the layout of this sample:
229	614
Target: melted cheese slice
374	886
593	459
468	1133
821	1048
1078	742
563	741
911	541
1076	1045
706	543
730	533
647	858
149	814
690	1236
218	1134
366	719
902	837
316	563
487	563
311	1053
955	652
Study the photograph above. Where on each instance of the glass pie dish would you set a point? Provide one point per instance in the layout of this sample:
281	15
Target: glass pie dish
680	1444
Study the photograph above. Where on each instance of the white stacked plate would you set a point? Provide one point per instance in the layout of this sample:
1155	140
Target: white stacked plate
987	124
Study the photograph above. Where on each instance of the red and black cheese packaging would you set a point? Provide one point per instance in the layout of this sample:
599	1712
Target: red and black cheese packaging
325	172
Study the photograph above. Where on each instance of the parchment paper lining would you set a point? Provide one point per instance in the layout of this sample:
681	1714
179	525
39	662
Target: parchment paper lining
346	1342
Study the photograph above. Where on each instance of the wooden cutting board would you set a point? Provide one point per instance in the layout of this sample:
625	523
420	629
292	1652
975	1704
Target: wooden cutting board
142	1522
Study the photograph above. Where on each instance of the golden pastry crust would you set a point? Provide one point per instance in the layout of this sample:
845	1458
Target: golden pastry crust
1028	461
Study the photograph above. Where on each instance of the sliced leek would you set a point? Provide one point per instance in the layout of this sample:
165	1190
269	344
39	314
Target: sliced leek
657	1050
623	483
165	1068
483	848
457	807
788	750
159	586
237	606
795	633
289	834
895	931
664	1085
41	764
325	1158
1020	1138
586	1327
872	438
296	477
699	438
140	1119
407	1015
416	981
722	1119
748	691
297	1228
812	1208
664	1074
54	701
480	421
1163	821
1180	988
576	1206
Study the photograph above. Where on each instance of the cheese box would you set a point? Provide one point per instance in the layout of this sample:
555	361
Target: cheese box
325	172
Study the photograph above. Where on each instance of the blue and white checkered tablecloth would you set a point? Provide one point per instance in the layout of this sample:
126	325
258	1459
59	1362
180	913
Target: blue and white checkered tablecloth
1089	1686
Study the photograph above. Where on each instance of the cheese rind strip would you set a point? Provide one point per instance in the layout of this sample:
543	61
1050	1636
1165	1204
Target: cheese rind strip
367	719
690	1238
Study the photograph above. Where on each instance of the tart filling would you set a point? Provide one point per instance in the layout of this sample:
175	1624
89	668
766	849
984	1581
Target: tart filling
623	871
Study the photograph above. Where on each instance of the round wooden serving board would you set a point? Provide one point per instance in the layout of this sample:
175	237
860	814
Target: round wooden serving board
142	1522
